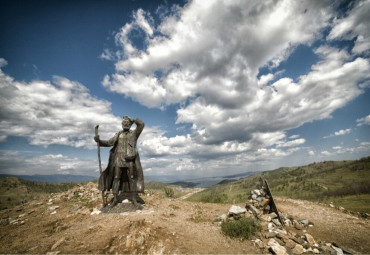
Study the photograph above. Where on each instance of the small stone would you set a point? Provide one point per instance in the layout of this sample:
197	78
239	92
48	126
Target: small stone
253	209
298	225
265	202
222	217
53	212
53	208
270	226
259	243
290	244
331	205
276	222
140	241
58	243
316	251
304	222
310	239
298	249
287	222
276	248
267	208
338	250
273	215
236	210
75	208
270	234
265	217
328	250
53	253
126	201
259	199
254	196
257	192
95	212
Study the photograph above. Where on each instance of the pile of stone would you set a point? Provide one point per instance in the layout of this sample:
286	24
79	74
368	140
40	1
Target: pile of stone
281	233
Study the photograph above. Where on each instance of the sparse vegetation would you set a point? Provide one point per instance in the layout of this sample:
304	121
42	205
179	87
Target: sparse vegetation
243	228
169	192
345	182
14	191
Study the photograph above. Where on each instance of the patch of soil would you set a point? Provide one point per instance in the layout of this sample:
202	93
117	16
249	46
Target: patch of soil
330	224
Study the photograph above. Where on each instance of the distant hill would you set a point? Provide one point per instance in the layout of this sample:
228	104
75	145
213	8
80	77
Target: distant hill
185	184
345	183
54	178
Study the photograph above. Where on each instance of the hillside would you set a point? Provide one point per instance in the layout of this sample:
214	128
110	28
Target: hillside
71	223
343	183
15	191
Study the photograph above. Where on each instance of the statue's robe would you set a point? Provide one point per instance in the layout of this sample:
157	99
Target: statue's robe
107	176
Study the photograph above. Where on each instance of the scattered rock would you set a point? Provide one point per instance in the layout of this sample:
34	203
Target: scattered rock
58	243
310	239
270	234
276	248
95	212
298	249
290	244
327	250
75	208
298	225
253	209
236	210
259	243
303	222
338	250
140	241
222	217
53	253
276	222
265	217
273	215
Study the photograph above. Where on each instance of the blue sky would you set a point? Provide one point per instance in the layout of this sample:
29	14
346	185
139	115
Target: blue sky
224	87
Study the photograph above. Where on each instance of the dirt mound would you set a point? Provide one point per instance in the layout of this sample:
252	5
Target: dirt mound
72	222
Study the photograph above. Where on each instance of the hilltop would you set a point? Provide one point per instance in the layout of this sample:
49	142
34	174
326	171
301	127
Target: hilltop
342	183
70	222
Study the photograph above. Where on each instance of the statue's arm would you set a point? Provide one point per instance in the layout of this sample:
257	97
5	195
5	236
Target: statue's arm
139	126
106	143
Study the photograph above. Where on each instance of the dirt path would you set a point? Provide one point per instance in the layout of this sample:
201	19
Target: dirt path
331	224
196	190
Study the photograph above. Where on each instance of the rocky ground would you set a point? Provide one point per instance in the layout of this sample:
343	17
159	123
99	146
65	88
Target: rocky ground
72	222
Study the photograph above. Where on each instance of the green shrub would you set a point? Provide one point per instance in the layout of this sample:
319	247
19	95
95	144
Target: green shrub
169	192
244	228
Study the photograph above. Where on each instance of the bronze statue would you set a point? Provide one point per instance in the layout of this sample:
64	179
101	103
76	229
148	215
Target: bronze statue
124	172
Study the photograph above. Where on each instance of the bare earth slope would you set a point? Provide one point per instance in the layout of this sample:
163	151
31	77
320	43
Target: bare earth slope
164	226
331	224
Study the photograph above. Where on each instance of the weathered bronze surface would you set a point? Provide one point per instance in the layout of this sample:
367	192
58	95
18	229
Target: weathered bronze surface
124	172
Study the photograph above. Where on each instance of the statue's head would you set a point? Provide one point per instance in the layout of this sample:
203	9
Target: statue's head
126	123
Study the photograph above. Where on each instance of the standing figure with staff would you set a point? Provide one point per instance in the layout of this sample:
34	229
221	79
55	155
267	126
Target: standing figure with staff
124	172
